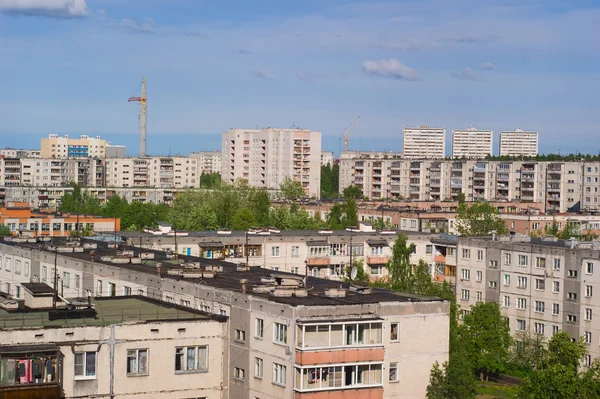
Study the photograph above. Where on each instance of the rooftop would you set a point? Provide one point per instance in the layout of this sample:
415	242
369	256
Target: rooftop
110	310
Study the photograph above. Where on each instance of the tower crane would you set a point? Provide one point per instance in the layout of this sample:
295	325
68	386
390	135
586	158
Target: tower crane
142	99
347	134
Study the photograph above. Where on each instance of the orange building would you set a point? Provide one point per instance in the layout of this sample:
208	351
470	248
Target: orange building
22	220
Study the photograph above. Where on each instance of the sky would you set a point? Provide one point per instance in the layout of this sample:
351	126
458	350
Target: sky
69	66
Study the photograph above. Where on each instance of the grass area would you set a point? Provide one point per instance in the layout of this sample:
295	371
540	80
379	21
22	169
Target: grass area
490	390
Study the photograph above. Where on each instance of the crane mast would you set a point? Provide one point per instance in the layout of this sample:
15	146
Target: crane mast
142	99
347	133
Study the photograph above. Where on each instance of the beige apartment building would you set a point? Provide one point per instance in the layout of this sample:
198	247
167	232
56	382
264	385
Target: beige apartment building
56	146
289	336
15	153
542	285
518	143
472	143
424	142
121	347
266	157
208	161
159	172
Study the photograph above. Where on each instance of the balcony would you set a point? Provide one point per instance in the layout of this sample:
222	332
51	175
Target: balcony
479	168
339	355
320	261
439	258
377	260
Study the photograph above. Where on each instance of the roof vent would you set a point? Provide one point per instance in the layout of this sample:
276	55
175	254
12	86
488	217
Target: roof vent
360	289
335	293
325	231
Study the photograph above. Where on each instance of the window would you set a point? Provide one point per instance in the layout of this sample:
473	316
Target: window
556	264
540	306
588	337
66	279
85	365
466	253
588	314
428	249
555	309
99	288
377	270
521	325
238	373
506	280
540	284
18	291
572	296
573	273
479	296
17	266
376	251
137	362
521	303
523	260
393	372
295	252
280	332
394	329
479	254
275	251
278	374
240	335
589	268
464	295
492	284
540	263
191	359
7	265
555	330
258	367
587	360
493	263
571	318
465	274
127	292
556	286
506	301
507	259
538	328
259	328
521	282
588	291
479	276
77	282
44	273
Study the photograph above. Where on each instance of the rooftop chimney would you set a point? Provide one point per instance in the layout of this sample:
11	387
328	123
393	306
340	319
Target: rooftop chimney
244	282
158	267
92	255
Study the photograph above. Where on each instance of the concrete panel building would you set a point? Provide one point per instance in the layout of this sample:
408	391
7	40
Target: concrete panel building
56	146
327	158
266	157
208	161
424	142
518	143
472	143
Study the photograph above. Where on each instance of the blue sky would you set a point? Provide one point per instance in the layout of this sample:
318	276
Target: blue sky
68	66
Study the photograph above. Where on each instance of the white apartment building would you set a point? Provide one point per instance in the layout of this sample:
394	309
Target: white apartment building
372	172
13	153
518	143
265	157
56	146
327	158
159	172
424	142
472	143
208	161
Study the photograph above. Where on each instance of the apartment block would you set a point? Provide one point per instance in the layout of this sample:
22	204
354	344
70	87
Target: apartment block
327	158
208	161
424	142
15	153
290	335
542	285
377	174
472	143
56	146
518	143
266	157
159	172
111	347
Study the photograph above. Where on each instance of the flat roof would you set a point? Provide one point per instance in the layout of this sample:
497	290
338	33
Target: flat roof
109	310
229	278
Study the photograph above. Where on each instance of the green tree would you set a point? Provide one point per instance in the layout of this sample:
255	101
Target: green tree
334	218
352	192
204	218
291	189
210	180
260	203
454	380
527	352
243	219
4	231
116	206
478	219
399	266
487	338
362	277
350	212
330	181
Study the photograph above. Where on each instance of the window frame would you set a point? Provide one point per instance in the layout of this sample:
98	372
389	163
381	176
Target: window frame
394	366
137	352
279	370
277	330
259	366
184	359
259	328
86	375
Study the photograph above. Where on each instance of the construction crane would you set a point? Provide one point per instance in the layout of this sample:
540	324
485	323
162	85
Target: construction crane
142	99
347	134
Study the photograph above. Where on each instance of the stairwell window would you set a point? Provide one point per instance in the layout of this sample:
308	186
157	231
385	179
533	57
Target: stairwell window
523	260
280	333
556	265
588	291
555	309
393	372
588	314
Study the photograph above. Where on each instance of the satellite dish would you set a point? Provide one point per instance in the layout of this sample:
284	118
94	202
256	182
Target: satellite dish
353	273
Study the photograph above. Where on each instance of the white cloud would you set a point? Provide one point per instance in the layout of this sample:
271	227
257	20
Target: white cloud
262	74
132	26
466	74
46	8
390	68
488	66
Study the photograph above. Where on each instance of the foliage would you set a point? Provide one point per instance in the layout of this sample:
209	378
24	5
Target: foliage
526	354
344	215
454	380
362	277
487	338
478	219
291	189
557	375
4	231
399	266
352	192
380	224
330	178
210	180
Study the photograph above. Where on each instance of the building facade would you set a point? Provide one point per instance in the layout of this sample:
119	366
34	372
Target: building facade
266	157
424	142
208	161
56	146
518	143
327	158
472	143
